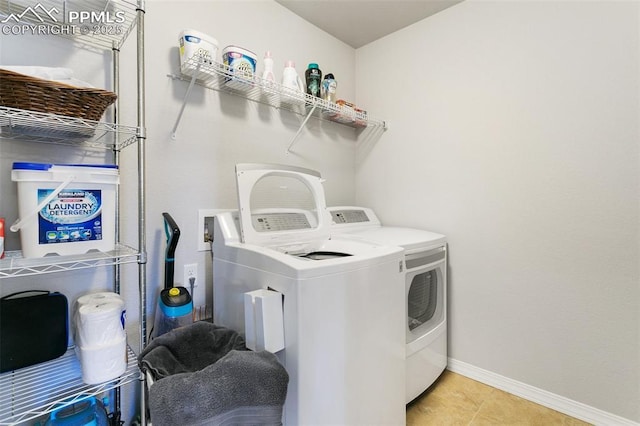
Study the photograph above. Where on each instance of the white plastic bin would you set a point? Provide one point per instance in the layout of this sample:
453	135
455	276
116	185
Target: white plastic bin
195	44
242	65
65	209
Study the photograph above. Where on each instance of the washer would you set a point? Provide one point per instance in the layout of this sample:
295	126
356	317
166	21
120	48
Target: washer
341	301
425	302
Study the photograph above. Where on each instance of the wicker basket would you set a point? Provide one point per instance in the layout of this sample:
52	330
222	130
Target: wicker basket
25	92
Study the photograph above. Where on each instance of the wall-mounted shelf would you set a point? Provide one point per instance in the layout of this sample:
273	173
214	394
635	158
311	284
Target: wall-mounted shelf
59	129
31	392
220	77
14	265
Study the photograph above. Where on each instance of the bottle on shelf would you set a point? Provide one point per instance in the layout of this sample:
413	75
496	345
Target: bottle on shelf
267	76
313	77
293	87
329	87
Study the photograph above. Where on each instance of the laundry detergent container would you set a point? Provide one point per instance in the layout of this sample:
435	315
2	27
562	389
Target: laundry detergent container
196	48
241	65
65	209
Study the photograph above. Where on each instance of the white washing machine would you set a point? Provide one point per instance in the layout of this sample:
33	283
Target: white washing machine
340	300
425	300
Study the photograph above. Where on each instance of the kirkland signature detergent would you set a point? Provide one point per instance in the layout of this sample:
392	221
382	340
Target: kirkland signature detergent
65	208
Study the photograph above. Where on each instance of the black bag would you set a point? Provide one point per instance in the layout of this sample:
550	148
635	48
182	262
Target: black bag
33	329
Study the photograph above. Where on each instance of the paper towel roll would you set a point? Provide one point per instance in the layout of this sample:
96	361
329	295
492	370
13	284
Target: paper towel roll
99	323
97	297
98	319
103	363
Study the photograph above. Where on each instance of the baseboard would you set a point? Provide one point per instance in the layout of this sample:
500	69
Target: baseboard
556	402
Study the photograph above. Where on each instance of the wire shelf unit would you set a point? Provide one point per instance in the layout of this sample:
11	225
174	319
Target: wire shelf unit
34	391
59	129
14	265
92	23
96	25
218	76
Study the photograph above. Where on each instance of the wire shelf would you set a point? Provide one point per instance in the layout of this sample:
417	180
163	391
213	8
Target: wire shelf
221	77
14	265
103	24
59	129
31	392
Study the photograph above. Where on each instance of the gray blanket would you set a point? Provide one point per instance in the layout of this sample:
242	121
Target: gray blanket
205	376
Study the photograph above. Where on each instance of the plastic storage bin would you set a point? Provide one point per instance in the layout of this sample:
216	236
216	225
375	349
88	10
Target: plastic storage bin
242	66
195	44
65	209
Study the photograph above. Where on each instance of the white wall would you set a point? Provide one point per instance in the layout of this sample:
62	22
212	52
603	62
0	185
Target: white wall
217	130
196	170
514	130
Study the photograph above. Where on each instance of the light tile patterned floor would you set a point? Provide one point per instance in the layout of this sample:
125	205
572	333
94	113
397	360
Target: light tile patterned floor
458	400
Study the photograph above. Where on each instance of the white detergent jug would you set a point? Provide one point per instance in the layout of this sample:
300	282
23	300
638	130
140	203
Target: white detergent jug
293	89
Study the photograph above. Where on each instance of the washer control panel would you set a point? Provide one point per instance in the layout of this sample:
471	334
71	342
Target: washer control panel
273	222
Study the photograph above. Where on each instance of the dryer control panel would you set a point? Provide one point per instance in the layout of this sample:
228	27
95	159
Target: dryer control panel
349	216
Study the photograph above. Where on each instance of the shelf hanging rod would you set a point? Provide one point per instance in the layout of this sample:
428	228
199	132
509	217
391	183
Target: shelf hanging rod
304	123
184	101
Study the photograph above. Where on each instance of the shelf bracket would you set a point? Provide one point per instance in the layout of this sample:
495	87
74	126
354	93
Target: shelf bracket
184	101
295	137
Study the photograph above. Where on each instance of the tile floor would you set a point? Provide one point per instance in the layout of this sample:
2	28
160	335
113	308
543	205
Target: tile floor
458	400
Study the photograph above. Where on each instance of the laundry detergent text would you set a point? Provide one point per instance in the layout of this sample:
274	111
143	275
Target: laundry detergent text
72	215
76	209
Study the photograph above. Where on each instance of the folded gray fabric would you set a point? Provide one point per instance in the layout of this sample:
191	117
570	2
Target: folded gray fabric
205	376
188	349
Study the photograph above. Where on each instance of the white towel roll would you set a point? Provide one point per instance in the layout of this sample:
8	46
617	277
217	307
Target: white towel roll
103	363
100	337
99	323
97	297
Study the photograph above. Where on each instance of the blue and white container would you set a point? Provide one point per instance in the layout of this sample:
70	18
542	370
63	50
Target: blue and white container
196	48
241	64
65	209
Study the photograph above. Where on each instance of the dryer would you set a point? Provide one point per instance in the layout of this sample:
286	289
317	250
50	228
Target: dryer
425	285
341	299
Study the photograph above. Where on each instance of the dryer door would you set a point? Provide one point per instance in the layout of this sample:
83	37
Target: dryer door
281	205
426	298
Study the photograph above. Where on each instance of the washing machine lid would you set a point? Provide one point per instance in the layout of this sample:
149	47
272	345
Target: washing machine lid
407	238
363	224
280	205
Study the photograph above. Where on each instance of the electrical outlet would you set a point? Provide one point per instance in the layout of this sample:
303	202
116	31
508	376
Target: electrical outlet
190	271
205	227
